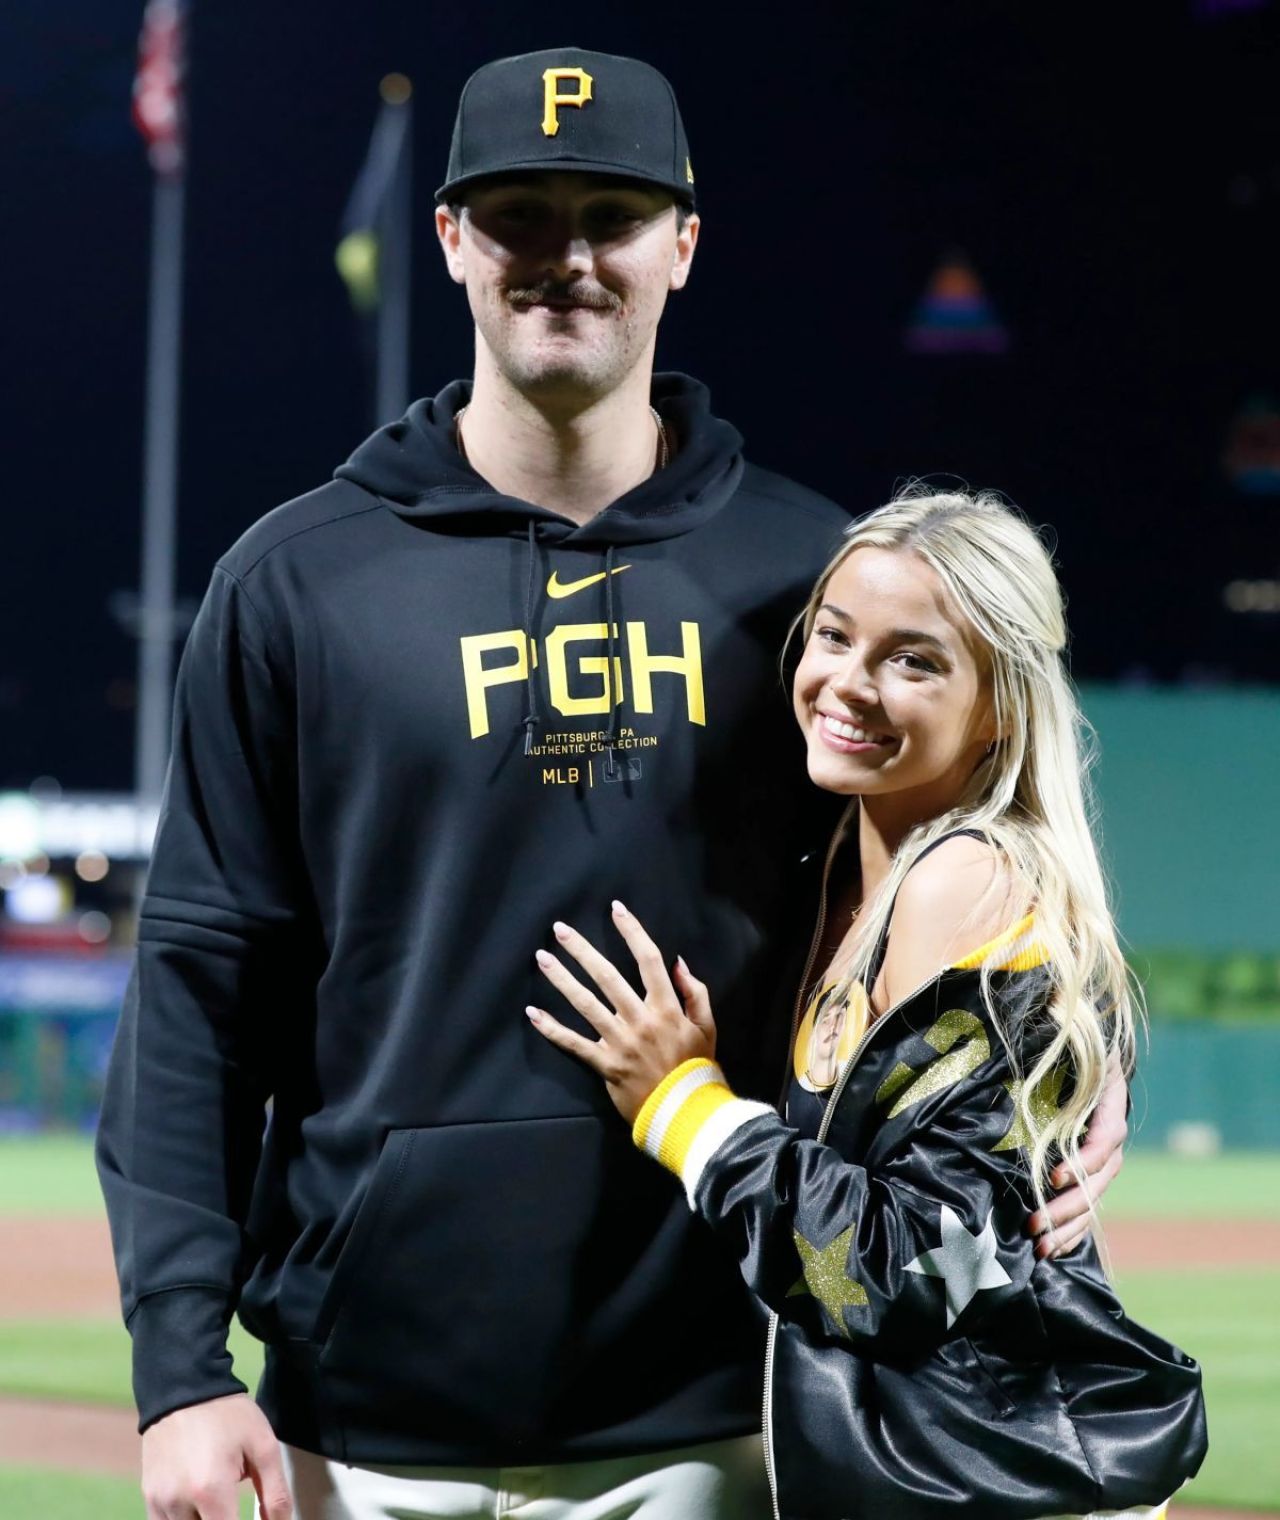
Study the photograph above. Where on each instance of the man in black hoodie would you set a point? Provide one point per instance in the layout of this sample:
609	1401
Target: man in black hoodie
517	659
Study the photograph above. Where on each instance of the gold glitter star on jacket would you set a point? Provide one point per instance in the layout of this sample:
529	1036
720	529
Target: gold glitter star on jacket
826	1275
1043	1105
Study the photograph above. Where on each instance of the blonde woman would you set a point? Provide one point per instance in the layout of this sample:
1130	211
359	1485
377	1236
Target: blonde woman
923	1360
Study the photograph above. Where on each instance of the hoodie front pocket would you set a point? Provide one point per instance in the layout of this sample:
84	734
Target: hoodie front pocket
489	1274
391	1163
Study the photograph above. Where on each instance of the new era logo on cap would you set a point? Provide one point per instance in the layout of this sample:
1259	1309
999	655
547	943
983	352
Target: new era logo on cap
569	109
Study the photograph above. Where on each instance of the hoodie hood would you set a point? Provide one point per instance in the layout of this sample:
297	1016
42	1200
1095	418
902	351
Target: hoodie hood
414	466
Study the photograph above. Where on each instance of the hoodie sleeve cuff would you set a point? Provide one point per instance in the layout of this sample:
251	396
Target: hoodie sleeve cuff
688	1117
180	1354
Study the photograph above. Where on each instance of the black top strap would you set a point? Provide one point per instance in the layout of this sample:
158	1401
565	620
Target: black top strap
876	962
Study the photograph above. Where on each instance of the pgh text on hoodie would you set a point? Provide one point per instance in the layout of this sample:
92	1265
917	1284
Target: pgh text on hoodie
416	722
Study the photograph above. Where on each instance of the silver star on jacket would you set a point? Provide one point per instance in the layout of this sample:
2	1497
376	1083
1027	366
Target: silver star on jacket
966	1263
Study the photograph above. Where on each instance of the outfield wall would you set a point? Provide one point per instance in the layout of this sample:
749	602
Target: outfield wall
1219	1080
1191	814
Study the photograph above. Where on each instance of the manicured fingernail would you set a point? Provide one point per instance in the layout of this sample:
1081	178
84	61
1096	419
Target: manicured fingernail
534	1013
544	958
561	931
618	908
682	964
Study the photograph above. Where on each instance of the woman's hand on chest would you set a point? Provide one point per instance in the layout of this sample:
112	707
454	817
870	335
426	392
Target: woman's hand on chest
641	1039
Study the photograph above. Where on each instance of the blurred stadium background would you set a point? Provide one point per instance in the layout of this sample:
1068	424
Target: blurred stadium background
982	240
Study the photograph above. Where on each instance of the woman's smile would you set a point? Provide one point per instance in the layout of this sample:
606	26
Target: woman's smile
849	738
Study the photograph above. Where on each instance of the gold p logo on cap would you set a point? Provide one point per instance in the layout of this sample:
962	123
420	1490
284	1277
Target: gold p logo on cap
552	99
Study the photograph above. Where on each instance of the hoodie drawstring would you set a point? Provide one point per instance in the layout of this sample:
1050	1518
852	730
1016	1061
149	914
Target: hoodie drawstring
611	735
532	717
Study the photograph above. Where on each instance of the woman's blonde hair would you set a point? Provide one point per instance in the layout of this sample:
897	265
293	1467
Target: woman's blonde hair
1030	795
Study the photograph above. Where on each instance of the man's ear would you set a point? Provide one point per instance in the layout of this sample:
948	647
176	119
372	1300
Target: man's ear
449	232
686	242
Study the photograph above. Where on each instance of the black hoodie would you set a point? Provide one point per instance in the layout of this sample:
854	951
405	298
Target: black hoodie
394	766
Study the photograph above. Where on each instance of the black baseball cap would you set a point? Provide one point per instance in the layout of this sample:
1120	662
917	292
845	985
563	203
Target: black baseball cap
569	109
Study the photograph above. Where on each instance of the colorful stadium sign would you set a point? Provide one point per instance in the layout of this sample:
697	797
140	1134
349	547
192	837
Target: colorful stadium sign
954	315
1251	459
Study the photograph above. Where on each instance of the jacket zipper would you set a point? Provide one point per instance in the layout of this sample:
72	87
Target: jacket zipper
842	1080
814	942
841	1083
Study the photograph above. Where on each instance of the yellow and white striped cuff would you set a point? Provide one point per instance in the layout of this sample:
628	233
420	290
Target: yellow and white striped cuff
688	1116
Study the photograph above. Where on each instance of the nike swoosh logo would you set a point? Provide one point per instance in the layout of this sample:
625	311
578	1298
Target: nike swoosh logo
557	589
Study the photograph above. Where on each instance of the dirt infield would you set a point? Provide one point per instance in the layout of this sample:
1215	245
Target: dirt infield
68	1437
51	1268
55	1267
1148	1245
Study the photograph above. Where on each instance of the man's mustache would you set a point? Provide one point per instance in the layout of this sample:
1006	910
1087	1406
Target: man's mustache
578	295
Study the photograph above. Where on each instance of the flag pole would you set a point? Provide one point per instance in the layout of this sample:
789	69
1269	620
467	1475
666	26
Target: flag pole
159	494
159	116
395	260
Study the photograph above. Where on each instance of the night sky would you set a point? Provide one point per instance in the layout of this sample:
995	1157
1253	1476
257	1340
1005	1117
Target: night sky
1118	193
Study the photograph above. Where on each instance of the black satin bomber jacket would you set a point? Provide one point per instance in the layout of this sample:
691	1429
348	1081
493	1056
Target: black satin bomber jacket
922	1362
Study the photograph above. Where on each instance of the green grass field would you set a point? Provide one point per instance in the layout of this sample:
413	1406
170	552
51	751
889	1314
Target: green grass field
1225	1317
53	1174
48	1174
67	1496
31	1491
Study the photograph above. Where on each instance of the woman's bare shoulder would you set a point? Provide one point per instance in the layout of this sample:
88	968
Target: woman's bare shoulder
962	894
